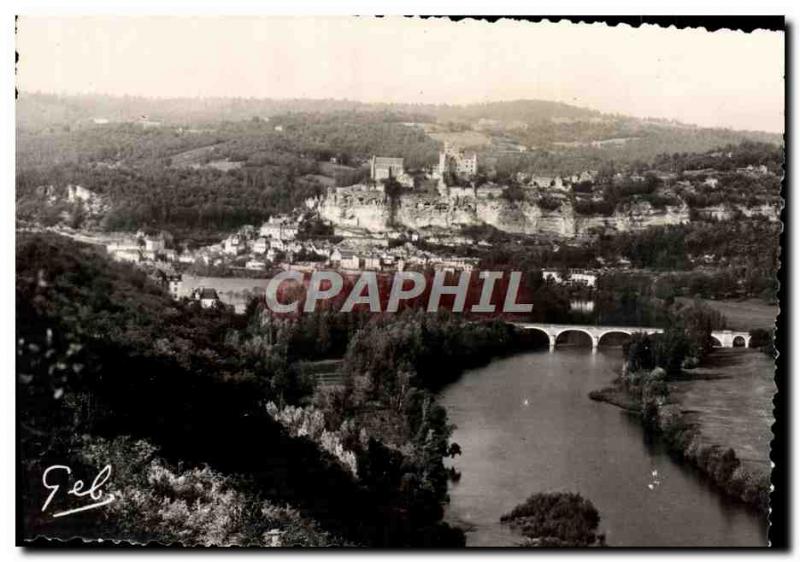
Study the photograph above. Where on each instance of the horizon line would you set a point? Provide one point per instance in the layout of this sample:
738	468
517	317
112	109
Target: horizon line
151	97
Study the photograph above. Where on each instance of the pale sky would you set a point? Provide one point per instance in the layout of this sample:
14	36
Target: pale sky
725	78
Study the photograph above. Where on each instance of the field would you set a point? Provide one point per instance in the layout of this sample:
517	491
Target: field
324	180
730	401
463	139
330	169
193	156
745	314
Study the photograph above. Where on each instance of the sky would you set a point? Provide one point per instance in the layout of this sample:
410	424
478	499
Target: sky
725	78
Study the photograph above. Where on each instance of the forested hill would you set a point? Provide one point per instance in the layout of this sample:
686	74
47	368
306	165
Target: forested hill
203	166
104	356
36	111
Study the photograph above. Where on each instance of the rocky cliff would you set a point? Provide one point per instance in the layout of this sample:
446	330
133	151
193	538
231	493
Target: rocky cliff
374	211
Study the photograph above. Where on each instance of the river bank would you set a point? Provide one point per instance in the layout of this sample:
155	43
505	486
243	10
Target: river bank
718	419
524	425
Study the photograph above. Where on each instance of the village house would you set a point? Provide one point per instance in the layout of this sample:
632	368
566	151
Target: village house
154	243
255	265
128	255
297	247
169	255
372	262
170	281
207	297
260	245
453	264
234	245
279	228
174	284
350	260
573	276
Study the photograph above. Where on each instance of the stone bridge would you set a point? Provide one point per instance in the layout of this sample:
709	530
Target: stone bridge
725	338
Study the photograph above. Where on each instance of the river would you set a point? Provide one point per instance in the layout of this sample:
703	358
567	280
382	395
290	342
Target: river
525	425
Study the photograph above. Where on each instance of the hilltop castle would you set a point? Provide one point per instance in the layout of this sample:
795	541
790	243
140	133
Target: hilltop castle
384	168
453	160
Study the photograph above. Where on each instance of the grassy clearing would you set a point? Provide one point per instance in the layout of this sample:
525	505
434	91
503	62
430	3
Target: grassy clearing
463	139
743	315
729	401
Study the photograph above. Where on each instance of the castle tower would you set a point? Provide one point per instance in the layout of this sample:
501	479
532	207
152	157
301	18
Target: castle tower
442	162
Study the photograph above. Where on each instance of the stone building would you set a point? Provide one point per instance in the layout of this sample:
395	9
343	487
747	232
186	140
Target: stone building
453	160
383	167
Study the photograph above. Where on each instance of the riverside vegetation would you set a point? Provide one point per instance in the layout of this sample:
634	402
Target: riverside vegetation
651	363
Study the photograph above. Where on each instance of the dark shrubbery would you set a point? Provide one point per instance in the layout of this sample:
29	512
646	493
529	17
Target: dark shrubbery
763	340
556	519
103	352
549	203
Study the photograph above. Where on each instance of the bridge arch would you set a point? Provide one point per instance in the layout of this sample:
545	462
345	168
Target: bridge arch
716	342
547	336
626	333
592	338
739	341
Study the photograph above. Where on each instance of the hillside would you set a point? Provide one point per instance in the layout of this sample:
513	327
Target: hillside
207	166
112	370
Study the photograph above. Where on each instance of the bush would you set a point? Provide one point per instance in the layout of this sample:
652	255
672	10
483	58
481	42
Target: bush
160	502
556	519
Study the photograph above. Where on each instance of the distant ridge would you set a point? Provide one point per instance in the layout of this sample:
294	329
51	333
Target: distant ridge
37	110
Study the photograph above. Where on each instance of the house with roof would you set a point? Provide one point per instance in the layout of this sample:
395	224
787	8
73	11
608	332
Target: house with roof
127	256
382	168
260	245
372	262
174	284
206	296
234	245
279	228
350	260
154	243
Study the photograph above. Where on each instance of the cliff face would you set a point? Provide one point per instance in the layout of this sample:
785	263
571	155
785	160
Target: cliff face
375	212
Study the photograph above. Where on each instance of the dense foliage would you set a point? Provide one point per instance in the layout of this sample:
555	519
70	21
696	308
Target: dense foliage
687	338
103	353
556	519
212	178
